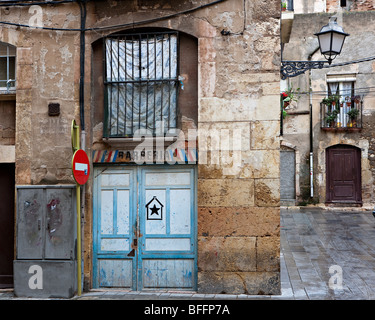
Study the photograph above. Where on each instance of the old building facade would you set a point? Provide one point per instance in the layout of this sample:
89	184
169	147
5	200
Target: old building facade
178	108
330	144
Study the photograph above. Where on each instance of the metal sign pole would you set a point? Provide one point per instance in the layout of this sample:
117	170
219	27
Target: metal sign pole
79	268
75	147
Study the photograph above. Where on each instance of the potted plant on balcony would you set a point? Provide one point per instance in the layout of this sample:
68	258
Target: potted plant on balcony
331	118
356	99
331	100
353	113
290	95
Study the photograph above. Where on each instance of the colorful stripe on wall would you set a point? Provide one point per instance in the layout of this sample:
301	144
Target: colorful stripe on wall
181	156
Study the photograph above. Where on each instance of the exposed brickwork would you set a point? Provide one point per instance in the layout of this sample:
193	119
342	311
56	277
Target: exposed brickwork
351	5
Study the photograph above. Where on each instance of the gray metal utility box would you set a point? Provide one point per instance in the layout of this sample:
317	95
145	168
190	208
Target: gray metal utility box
46	263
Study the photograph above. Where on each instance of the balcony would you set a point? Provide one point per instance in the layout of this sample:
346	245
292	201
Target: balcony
341	115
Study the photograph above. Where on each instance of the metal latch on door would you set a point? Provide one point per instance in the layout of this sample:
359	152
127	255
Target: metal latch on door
134	246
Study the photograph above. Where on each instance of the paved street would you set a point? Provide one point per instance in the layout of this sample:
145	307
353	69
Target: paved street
316	246
315	240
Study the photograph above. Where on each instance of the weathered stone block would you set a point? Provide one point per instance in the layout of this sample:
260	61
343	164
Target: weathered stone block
23	118
260	164
24	95
226	136
207	71
265	135
225	192
7	154
267	192
244	109
206	50
253	283
268	253
240	221
235	254
24	56
23	171
24	76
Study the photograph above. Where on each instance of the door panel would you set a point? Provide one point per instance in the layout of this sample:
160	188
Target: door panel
287	175
147	233
115	273
343	174
168	273
113	229
30	224
60	223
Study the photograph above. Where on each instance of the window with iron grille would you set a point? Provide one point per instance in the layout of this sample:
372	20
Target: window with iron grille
141	80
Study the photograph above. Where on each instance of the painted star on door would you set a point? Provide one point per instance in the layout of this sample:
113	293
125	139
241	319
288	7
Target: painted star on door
154	209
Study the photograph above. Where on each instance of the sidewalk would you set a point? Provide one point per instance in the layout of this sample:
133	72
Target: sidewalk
316	246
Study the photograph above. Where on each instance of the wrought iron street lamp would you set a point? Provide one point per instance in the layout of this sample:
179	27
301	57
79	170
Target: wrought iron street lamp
331	39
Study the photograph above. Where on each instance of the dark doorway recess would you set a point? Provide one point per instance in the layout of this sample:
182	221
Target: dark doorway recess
7	185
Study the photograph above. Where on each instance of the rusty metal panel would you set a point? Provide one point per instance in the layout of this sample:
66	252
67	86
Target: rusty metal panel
30	223
60	224
45	222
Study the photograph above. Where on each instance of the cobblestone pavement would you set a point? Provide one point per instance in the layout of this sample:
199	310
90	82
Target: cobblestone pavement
319	248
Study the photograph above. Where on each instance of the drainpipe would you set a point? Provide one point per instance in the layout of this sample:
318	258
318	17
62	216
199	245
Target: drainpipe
311	131
311	149
82	6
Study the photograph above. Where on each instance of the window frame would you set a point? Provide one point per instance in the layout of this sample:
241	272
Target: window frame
149	34
8	80
343	120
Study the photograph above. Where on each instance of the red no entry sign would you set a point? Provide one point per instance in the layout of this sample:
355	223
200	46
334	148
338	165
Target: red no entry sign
81	167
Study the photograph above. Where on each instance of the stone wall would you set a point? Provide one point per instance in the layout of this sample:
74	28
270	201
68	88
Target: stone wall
360	44
238	224
238	96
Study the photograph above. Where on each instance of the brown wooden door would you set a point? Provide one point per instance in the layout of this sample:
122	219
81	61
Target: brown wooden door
343	165
7	186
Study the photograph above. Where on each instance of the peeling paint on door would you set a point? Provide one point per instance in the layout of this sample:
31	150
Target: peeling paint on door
144	227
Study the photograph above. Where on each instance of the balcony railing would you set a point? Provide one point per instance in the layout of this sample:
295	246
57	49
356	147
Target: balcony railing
337	114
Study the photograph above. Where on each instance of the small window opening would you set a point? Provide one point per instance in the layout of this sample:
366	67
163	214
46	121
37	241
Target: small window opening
7	66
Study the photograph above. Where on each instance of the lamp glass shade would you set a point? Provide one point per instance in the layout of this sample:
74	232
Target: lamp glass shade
337	42
331	39
325	42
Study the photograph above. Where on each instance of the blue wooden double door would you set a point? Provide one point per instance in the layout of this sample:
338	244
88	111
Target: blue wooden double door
145	227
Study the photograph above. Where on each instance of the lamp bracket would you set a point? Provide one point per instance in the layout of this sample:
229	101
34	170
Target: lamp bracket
294	68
